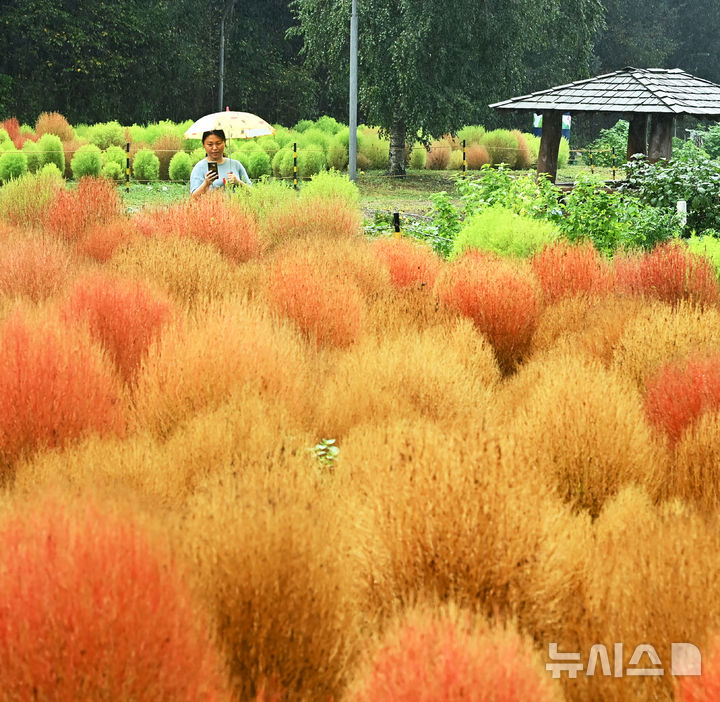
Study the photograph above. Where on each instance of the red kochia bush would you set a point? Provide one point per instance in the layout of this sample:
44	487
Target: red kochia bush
680	392
72	212
435	657
669	273
12	127
125	316
503	304
212	219
327	308
54	387
564	270
89	610
100	240
36	268
410	264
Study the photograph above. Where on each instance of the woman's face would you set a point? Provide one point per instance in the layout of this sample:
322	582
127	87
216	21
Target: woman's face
214	147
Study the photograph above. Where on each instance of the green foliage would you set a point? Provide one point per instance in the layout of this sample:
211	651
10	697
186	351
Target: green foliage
328	124
258	164
113	171
418	157
311	161
471	134
105	134
711	141
23	200
4	136
266	196
694	178
282	163
51	151
564	153
181	166
612	220
375	150
326	452
707	245
116	154
13	164
502	146
269	145
303	124
87	161
501	231
146	165
313	138
30	149
331	184
616	137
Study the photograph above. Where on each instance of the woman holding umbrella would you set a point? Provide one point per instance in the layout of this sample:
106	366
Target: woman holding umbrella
215	171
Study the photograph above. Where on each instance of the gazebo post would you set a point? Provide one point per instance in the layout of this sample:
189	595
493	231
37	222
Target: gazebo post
550	143
661	132
637	135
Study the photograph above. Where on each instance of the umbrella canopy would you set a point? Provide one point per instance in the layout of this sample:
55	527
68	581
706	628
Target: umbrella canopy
236	125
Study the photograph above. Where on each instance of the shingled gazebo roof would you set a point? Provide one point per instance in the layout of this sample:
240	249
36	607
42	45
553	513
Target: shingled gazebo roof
630	90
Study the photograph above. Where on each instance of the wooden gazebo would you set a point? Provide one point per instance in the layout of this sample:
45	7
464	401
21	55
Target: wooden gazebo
640	95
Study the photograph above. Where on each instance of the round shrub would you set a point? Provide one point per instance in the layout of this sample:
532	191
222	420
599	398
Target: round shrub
328	124
282	163
87	161
54	387
502	146
258	164
165	147
146	165
331	184
269	145
30	149
54	123
476	156
91	609
106	134
471	134
180	166
13	164
315	138
51	151
303	125
376	150
418	156
438	156
446	655
113	171
311	161
116	154
502	302
501	231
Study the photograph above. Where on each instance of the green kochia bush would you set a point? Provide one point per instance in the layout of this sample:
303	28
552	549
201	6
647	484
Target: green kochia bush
501	231
257	164
115	154
87	161
708	246
282	163
310	162
30	149
616	137
332	184
13	164
146	165
51	151
106	134
180	166
113	170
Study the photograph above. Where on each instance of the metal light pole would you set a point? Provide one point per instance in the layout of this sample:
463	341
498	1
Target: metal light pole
221	88
352	163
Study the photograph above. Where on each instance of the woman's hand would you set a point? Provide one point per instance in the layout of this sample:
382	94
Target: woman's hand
210	176
233	179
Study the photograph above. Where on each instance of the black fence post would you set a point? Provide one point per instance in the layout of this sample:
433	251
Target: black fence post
127	167
295	177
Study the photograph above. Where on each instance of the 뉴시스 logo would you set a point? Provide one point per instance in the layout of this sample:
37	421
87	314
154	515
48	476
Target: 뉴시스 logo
685	660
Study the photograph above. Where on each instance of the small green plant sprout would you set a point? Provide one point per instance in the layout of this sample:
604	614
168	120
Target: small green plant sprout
326	452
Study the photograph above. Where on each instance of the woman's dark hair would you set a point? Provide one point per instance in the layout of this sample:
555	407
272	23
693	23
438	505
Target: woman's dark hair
219	133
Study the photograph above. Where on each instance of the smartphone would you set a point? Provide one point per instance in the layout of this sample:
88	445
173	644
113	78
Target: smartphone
212	166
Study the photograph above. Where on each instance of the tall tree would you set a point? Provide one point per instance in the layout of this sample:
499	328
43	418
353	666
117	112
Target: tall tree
426	68
639	34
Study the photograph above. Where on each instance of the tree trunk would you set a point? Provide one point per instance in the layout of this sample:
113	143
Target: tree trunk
396	161
550	144
637	135
661	133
